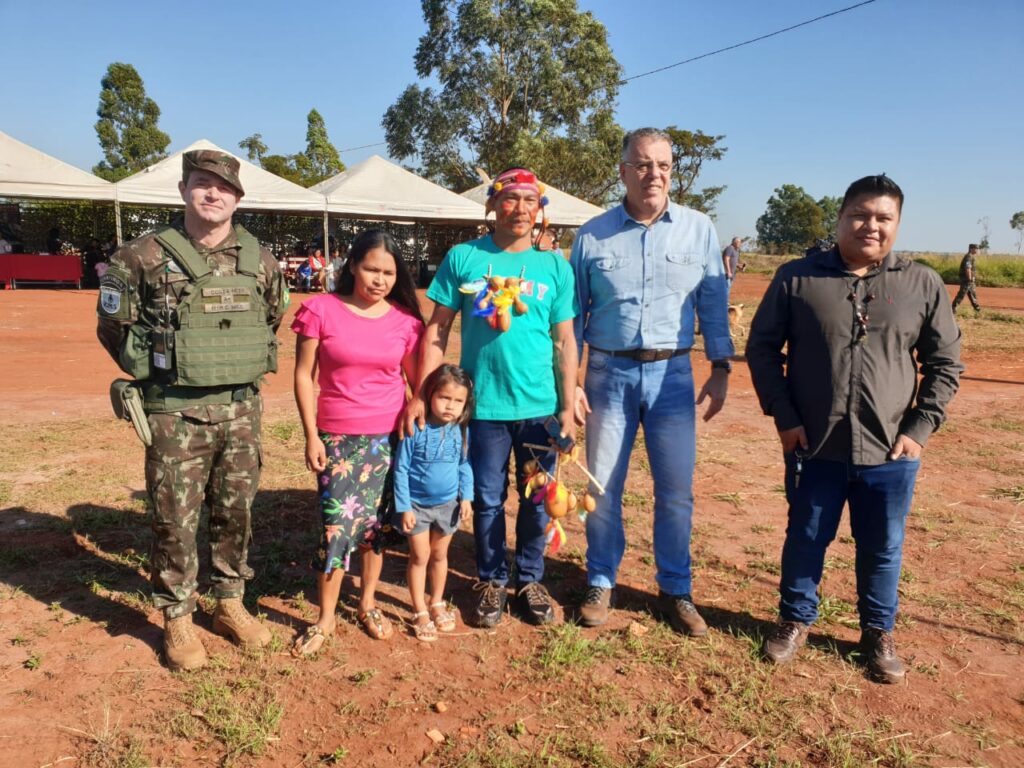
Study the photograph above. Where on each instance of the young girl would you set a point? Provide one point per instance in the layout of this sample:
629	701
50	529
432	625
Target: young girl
433	489
361	339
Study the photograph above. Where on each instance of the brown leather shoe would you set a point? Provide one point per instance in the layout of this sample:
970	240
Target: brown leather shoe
682	614
182	647
786	639
879	649
594	608
232	620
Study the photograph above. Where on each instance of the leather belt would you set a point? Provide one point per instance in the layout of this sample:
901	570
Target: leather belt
645	355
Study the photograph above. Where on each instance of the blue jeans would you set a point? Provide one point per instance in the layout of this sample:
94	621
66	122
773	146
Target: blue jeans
879	498
624	394
491	443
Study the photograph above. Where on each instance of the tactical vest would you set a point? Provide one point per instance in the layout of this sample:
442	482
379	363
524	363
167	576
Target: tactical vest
222	341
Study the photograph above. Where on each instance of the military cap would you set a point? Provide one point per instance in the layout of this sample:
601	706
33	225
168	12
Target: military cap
220	164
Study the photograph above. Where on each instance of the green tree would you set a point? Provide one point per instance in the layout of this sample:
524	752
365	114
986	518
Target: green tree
791	222
830	214
519	82
689	153
127	128
320	161
254	147
283	166
1017	223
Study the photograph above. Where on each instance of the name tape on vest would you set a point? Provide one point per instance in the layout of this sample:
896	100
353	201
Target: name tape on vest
229	299
236	306
226	292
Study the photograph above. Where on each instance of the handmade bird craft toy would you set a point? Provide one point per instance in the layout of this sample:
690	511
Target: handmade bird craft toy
558	498
496	298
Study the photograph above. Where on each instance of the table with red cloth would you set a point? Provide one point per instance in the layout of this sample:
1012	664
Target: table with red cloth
39	268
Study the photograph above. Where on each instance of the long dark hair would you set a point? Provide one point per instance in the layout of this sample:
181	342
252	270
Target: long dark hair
446	373
403	292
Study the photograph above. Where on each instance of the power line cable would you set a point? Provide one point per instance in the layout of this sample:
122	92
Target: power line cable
745	42
695	58
364	146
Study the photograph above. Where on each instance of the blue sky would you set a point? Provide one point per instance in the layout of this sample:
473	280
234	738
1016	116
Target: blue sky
928	91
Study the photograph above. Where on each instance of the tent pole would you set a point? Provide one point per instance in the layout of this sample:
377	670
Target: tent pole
117	218
327	226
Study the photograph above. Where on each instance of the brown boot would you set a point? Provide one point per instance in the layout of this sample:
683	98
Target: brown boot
230	619
682	614
879	649
595	606
786	639
182	646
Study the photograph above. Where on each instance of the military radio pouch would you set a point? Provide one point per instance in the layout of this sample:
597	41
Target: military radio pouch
126	400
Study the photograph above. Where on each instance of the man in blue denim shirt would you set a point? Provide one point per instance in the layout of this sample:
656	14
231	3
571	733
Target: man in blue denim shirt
643	269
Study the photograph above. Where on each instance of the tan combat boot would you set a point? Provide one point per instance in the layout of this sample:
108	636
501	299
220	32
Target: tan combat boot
182	646
232	620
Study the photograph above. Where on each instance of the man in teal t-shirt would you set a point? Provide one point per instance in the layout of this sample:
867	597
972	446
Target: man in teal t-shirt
517	305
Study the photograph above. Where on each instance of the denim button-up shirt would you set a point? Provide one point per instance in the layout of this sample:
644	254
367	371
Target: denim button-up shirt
638	286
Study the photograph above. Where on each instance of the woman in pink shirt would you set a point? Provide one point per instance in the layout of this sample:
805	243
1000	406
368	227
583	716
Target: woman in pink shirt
358	342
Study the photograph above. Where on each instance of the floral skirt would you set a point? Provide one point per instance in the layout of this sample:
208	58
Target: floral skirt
356	497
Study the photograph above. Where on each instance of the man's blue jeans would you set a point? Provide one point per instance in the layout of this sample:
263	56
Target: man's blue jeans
491	443
879	498
624	394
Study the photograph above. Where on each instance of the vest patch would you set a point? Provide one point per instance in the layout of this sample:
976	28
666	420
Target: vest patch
110	300
237	306
226	292
231	299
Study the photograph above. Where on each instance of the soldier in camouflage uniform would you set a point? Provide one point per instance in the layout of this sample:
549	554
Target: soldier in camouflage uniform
191	311
968	274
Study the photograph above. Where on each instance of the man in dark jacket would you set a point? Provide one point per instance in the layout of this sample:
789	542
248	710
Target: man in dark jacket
859	323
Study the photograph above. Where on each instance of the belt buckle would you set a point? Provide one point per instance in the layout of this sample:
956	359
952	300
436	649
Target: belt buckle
645	355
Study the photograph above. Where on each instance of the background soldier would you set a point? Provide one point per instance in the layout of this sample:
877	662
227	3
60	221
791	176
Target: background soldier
968	274
191	311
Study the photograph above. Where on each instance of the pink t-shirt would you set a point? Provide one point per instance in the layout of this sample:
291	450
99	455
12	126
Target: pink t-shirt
362	391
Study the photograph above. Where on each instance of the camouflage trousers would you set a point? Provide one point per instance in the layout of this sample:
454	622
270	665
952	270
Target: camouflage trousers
968	290
212	455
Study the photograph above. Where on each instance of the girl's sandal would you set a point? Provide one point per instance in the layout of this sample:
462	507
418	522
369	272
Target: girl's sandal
443	618
309	642
375	624
425	632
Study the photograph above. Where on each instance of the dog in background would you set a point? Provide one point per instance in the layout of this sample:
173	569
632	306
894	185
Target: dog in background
735	320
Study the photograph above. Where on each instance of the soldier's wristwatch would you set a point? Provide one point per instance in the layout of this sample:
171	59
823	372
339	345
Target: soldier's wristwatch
723	365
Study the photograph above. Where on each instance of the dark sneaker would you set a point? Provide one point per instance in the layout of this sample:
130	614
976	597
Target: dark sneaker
786	639
682	614
492	603
879	649
595	605
535	603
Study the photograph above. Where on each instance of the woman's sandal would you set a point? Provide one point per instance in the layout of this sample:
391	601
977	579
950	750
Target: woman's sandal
376	624
309	642
426	632
443	618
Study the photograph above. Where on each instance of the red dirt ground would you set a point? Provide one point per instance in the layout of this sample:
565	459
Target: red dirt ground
54	371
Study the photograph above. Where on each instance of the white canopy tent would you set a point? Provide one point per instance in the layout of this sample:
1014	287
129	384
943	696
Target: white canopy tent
27	172
377	189
563	210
